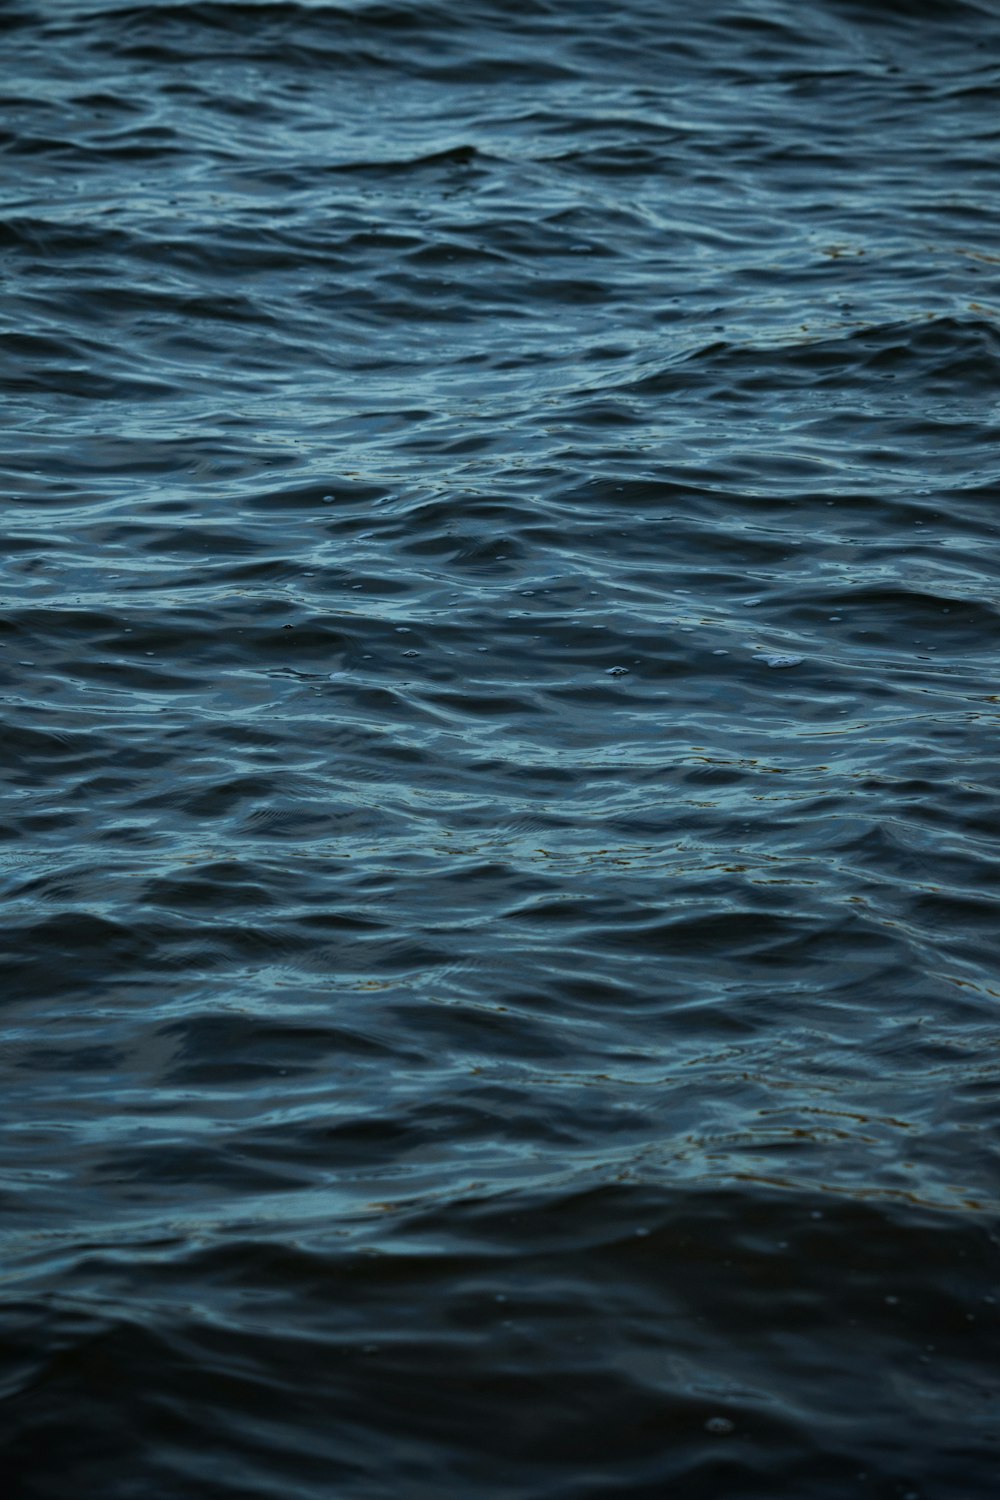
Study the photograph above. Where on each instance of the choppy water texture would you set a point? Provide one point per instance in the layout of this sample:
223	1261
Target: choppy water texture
500	710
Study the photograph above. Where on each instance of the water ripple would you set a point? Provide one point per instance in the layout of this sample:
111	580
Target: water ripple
497	636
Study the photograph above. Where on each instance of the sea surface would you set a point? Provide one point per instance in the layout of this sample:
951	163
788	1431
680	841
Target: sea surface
500	984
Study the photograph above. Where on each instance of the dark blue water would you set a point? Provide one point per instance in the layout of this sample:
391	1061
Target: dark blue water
498	655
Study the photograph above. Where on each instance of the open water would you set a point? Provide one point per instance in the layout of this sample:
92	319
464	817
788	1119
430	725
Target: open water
498	653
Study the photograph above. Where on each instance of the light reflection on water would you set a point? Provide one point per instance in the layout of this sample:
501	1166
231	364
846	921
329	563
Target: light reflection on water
560	1062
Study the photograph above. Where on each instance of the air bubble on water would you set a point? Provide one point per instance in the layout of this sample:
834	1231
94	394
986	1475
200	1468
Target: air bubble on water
749	603
327	499
617	671
720	1425
720	652
783	661
411	653
402	629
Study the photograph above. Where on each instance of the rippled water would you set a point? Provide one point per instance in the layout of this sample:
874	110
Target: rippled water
500	730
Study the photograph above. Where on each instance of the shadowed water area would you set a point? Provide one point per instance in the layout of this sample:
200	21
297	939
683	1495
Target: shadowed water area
498	657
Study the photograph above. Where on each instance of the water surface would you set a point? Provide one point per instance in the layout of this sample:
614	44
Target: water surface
498	660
